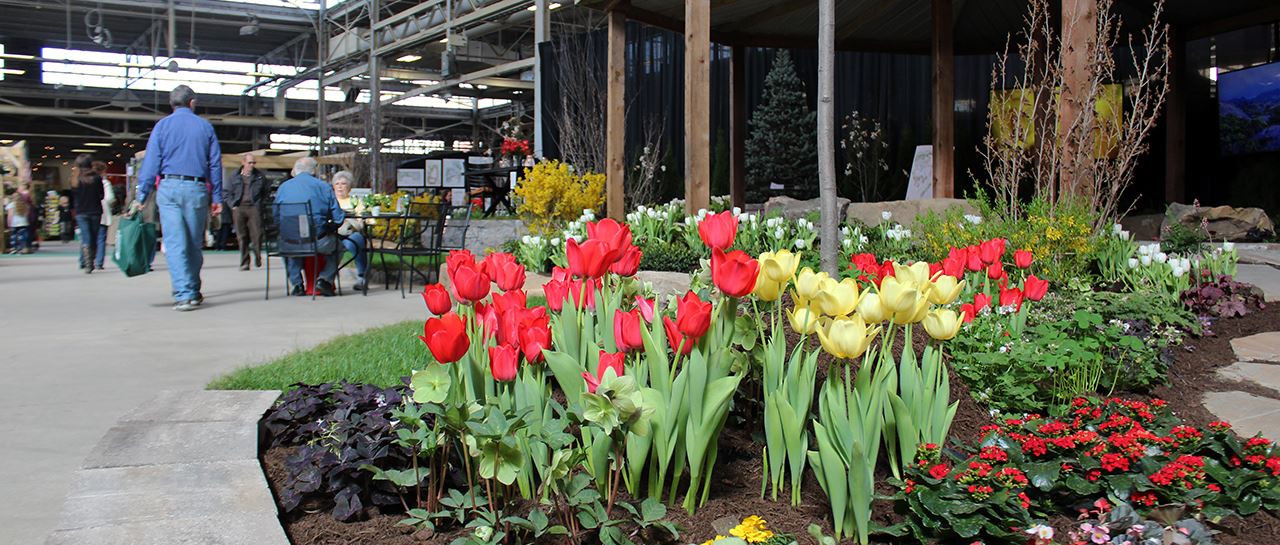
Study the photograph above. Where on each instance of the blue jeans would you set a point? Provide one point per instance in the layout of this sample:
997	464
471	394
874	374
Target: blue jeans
354	243
100	253
184	211
21	238
331	261
90	226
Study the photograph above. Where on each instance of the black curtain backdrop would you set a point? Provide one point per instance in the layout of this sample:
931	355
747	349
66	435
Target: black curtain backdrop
895	89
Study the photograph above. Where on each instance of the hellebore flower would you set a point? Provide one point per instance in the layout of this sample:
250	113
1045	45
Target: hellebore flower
626	330
1022	259
1035	288
779	266
503	362
846	337
504	271
437	299
607	362
446	337
718	230
734	273
693	316
590	259
942	324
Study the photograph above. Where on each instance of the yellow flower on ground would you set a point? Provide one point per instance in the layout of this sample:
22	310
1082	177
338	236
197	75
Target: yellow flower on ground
945	290
846	337
896	295
808	283
779	266
752	530
837	298
767	290
803	320
871	310
942	324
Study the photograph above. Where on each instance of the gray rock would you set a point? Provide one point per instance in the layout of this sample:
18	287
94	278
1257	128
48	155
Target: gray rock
484	236
199	528
904	212
204	406
1222	222
1262	374
146	443
795	208
1143	226
1265	277
122	495
666	282
1248	414
1261	347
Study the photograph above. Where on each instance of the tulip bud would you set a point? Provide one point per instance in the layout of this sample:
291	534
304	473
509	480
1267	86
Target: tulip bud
803	320
896	296
779	266
808	283
945	290
871	309
942	324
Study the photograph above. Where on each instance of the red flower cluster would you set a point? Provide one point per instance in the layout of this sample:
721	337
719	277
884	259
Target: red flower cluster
1186	472
872	271
513	146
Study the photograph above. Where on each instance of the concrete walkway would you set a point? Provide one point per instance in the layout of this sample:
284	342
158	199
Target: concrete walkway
79	351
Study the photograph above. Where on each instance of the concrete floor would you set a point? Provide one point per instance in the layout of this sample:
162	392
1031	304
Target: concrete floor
78	351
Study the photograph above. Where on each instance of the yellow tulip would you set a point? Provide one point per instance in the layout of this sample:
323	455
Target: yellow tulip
846	337
942	324
809	282
914	275
913	313
837	298
945	290
803	320
779	266
896	295
871	310
767	290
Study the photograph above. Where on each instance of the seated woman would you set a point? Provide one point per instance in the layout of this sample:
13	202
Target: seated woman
352	229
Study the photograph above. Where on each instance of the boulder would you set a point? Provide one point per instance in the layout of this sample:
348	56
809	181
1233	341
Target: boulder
795	208
904	212
1222	222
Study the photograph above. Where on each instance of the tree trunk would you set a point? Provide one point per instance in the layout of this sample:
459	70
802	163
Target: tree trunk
829	233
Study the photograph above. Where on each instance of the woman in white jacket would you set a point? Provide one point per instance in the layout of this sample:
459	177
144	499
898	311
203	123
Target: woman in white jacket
108	200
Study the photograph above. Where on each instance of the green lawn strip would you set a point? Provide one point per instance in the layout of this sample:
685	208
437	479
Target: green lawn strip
378	356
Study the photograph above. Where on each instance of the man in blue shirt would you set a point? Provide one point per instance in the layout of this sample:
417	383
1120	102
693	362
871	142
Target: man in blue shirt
183	154
326	214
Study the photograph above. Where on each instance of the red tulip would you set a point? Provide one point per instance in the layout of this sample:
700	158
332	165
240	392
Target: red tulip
1035	288
607	361
487	317
446	337
437	299
866	262
560	273
935	269
555	291
990	251
628	262
675	338
617	235
504	271
1011	297
886	270
503	362
626	330
535	335
457	258
973	258
693	315
469	283
734	273
580	289
957	253
981	301
718	230
590	259
511	300
1022	258
968	312
645	306
995	271
953	266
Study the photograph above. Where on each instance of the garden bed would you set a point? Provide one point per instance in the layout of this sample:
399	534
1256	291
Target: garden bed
736	489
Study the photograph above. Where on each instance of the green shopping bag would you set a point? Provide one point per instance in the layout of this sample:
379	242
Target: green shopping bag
135	245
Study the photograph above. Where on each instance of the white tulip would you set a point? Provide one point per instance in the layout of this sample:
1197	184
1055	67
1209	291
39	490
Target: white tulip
1228	246
886	215
1161	257
1146	260
800	244
1133	263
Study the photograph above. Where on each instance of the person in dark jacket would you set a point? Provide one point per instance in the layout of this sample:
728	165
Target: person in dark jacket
87	195
244	191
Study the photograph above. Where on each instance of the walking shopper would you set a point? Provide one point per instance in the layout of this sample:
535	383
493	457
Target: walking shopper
326	216
352	229
108	200
183	152
87	196
17	209
66	219
245	191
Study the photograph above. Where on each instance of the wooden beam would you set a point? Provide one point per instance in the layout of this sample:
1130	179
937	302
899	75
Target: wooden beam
697	104
616	116
1079	32
944	91
1175	115
1235	22
738	125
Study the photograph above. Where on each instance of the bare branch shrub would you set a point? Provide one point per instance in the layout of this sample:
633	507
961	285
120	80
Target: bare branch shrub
580	123
642	181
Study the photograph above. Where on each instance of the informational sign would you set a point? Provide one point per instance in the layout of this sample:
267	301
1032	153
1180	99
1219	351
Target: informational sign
920	185
433	175
411	177
452	172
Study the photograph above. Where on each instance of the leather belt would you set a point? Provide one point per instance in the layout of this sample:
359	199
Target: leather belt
182	177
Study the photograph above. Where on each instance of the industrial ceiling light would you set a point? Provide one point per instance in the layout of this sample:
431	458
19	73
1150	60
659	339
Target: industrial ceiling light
252	27
98	144
409	58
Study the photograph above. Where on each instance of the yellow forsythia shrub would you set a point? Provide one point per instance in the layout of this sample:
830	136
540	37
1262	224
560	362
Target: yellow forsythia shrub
552	193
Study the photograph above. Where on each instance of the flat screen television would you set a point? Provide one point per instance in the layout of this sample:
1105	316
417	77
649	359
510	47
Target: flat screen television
1249	110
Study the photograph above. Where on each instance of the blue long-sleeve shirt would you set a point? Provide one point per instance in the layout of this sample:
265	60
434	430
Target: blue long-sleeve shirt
307	188
184	144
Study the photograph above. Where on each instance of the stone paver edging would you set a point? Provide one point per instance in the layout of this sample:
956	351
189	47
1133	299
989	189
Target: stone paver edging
181	468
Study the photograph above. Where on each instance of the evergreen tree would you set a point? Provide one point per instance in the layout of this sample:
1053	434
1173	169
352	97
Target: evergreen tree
782	146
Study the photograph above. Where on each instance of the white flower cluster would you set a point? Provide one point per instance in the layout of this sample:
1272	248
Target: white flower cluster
1119	232
851	237
898	232
973	218
1150	253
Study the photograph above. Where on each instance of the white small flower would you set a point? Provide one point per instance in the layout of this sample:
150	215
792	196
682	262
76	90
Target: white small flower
737	211
1146	260
779	233
1228	246
863	239
973	218
1161	257
1041	531
886	215
800	244
526	240
846	242
1124	235
1133	263
555	242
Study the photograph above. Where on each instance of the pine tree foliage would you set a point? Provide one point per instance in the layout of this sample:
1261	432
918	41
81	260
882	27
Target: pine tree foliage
782	146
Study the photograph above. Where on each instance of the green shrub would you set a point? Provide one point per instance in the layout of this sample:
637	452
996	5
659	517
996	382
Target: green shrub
661	255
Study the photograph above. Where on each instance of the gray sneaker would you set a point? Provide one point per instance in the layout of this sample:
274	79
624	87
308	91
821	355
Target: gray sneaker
184	306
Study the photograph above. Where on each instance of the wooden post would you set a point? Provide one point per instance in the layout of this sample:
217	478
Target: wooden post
697	104
944	91
1175	142
738	125
541	33
1079	31
616	117
826	135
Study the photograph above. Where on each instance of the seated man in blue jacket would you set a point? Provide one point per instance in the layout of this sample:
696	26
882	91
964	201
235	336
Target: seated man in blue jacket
326	216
